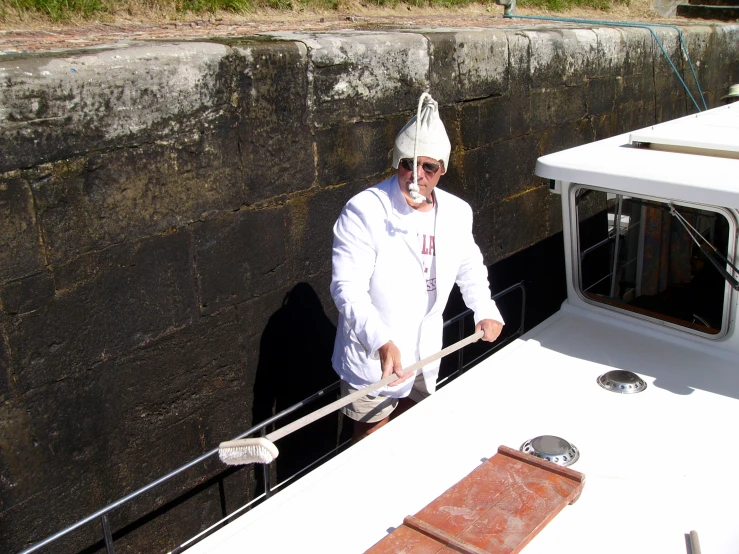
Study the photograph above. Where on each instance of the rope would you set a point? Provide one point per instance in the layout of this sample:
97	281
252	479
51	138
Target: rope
725	274
414	189
638	26
691	230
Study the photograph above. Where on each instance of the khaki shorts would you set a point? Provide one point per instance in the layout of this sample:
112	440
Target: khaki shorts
370	409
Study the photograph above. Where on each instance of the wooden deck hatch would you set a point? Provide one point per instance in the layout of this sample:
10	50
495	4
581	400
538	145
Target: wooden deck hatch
496	509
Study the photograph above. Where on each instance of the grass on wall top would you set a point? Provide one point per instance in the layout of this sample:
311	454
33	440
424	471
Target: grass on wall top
61	10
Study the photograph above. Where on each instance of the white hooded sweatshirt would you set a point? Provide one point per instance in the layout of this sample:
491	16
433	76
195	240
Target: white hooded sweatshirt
379	287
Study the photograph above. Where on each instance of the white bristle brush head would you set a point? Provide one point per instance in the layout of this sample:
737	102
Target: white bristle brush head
247	451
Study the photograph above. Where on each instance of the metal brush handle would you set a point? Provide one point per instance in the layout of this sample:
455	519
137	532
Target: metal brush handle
341	402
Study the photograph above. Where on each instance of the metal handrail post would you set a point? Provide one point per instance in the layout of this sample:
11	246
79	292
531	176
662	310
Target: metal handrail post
617	229
267	482
522	327
460	336
107	535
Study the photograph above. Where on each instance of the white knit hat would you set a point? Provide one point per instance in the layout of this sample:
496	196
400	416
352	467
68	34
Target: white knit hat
433	141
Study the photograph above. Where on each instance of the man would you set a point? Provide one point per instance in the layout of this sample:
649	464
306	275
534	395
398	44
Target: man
733	95
398	249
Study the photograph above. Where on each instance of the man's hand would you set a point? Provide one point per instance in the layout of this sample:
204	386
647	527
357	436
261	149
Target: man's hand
491	328
390	363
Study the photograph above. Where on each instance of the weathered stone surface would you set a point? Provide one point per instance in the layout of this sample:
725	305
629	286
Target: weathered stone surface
609	57
501	170
567	136
39	517
468	64
21	251
156	521
104	199
353	150
106	304
182	375
731	36
4	365
519	60
520	222
81	435
170	399
483	229
638	57
254	313
634	104
495	119
240	256
600	95
555	108
584	55
58	107
674	100
605	126
357	75
310	223
276	148
455	180
27	294
669	39
704	46
548	63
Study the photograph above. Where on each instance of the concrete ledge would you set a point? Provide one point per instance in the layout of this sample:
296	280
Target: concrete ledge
57	107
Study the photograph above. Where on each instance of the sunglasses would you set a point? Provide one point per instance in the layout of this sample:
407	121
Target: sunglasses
428	167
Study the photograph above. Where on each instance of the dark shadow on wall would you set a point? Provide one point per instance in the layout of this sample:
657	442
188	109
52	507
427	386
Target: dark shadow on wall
295	362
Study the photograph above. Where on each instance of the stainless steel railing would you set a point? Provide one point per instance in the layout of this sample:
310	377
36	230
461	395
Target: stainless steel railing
102	514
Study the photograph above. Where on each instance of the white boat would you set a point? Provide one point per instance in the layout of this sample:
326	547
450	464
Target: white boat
659	462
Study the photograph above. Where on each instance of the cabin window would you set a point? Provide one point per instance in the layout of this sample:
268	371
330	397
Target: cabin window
635	255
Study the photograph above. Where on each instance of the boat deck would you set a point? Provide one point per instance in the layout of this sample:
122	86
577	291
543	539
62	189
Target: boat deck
658	464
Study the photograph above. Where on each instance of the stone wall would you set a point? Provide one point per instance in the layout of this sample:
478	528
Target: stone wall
165	232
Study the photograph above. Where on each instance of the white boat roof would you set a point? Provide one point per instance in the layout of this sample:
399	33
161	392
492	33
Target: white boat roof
704	172
657	464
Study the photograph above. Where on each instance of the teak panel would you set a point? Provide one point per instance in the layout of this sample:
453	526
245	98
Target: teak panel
496	509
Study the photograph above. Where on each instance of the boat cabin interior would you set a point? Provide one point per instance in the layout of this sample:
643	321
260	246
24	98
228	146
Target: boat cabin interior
648	264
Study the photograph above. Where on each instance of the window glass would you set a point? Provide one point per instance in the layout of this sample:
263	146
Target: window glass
637	254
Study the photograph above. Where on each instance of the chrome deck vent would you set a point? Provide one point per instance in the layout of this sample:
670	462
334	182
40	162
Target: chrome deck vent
552	449
620	380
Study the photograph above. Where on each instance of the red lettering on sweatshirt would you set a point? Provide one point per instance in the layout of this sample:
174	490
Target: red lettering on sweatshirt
429	246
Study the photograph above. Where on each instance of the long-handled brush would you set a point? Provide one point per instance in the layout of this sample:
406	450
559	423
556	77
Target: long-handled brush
262	450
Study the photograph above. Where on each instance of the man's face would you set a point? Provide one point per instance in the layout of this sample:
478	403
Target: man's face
429	173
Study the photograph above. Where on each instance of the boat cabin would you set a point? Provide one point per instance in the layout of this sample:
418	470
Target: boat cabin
634	382
650	224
